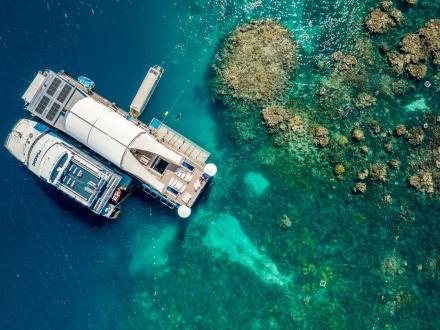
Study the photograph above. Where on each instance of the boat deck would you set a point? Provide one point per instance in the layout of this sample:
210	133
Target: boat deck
193	155
87	183
92	94
177	142
196	174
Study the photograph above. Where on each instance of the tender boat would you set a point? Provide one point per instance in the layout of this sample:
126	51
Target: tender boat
86	82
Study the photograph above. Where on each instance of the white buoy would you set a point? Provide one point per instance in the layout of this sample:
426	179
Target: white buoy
184	211
210	169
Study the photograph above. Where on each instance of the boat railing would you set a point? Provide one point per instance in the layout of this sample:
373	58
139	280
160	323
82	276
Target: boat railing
180	144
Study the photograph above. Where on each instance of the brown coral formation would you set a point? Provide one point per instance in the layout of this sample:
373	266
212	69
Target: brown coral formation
410	2
422	182
274	115
397	62
379	22
285	222
430	34
385	5
417	71
416	136
357	135
364	174
388	147
337	56
290	125
416	48
378	173
321	136
400	130
411	44
360	188
350	60
365	100
396	15
387	199
375	127
394	163
339	169
259	60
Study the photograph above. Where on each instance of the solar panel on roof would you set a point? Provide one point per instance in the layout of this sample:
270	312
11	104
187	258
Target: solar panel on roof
53	111
64	92
42	105
53	86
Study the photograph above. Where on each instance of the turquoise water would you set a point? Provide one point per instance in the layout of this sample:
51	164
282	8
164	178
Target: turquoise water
232	265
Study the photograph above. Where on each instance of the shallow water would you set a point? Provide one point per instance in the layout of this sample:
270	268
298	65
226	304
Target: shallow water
231	265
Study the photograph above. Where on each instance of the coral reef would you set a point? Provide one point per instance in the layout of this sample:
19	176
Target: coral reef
350	60
422	182
258	60
417	71
390	265
394	163
274	115
401	87
416	48
365	100
357	135
411	44
285	222
387	199
430	34
339	169
385	5
400	130
379	22
321	136
343	140
388	147
364	174
410	2
378	172
288	125
396	15
397	62
416	136
360	188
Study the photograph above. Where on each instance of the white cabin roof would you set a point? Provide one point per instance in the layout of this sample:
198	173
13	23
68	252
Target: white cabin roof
101	129
111	135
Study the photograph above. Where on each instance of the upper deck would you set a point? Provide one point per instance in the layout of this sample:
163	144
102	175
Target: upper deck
64	166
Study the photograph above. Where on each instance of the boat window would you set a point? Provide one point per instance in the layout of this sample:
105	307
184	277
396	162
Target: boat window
160	165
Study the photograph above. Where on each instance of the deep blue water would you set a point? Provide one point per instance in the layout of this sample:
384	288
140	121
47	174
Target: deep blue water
230	266
62	267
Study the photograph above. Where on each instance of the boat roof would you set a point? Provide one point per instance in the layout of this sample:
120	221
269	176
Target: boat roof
145	89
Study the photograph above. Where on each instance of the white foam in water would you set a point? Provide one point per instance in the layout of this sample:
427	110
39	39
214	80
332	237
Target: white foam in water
225	235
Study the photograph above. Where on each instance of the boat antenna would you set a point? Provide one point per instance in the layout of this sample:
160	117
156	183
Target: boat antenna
167	112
